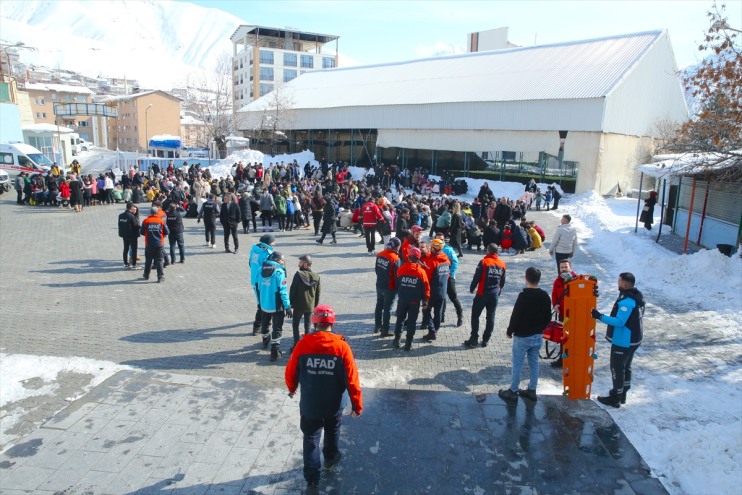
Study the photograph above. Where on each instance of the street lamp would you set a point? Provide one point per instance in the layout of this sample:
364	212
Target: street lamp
146	127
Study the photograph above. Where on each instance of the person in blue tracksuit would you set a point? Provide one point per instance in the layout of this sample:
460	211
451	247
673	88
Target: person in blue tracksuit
625	332
451	288
274	301
258	254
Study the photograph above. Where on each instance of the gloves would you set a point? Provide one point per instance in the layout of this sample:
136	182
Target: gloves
290	313
596	314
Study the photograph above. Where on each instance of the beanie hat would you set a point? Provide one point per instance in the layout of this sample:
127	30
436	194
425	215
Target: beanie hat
393	244
268	239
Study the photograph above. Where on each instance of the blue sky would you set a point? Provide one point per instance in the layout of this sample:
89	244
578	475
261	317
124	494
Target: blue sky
386	30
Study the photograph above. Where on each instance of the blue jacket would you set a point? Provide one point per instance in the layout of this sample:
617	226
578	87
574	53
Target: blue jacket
625	327
448	251
258	254
274	296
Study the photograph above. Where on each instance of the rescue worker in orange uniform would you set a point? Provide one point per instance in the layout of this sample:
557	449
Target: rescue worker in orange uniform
413	291
437	267
322	364
154	231
488	281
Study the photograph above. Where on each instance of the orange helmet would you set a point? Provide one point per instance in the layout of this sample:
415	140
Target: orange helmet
323	314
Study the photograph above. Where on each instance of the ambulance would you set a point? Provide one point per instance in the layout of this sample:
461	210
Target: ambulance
17	157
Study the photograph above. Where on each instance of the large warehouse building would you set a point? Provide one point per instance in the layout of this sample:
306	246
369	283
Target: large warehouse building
601	100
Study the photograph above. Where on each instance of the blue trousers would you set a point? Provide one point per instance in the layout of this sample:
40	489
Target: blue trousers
526	347
312	430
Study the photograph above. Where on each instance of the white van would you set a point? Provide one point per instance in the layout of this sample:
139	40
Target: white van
20	157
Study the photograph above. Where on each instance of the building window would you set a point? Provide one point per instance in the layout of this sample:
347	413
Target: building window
328	62
289	74
266	73
266	57
265	89
43	101
83	123
43	115
289	59
307	61
38	115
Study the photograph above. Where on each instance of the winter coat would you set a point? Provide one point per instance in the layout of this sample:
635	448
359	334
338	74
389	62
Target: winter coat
491	235
245	207
258	255
128	225
565	239
520	240
387	265
280	204
625	325
489	277
266	202
438	269
329	219
174	221
305	291
647	214
273	293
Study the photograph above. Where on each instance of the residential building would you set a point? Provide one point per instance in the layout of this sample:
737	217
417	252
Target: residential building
44	95
492	39
194	132
136	124
264	58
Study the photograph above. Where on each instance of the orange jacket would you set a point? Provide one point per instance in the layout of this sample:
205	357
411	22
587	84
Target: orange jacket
489	277
154	231
387	264
408	242
412	283
437	268
323	364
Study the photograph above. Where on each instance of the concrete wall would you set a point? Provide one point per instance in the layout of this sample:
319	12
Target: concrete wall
617	159
714	231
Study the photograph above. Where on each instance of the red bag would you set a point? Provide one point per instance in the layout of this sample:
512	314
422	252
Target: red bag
554	332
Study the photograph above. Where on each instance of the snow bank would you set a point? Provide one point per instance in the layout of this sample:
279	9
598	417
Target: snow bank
223	168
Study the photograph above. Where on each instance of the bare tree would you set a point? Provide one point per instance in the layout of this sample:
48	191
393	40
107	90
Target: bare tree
209	99
276	118
716	83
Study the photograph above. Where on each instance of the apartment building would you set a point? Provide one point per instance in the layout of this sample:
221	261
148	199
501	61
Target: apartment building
193	132
142	115
263	58
43	96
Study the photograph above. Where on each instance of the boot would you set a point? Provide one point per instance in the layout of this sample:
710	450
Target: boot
275	352
395	343
611	399
408	343
459	319
623	395
266	341
430	336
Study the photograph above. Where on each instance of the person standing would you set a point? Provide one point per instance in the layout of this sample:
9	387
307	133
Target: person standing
329	222
413	291
531	313
437	267
321	402
647	214
564	242
267	204
557	297
154	231
274	301
230	216
303	295
318	206
387	265
76	192
457	225
258	254
246	211
556	195
129	232
19	184
174	224
451	287
209	212
371	215
625	332
488	281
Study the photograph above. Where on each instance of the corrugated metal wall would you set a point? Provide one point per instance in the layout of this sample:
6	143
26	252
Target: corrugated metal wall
724	200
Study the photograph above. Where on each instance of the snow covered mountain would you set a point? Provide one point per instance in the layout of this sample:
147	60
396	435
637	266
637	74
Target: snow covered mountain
157	43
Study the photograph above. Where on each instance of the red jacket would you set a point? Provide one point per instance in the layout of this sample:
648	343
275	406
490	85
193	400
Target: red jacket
371	213
557	294
154	231
408	242
323	364
437	268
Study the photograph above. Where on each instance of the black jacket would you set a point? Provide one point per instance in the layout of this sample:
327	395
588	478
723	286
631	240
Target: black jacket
174	221
128	225
245	208
531	313
230	214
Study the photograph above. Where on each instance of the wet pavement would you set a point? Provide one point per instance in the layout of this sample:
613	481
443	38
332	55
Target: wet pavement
156	433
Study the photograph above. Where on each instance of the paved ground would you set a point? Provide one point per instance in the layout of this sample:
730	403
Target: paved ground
63	292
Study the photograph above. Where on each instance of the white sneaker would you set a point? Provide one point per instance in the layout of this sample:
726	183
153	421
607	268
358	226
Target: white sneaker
213	246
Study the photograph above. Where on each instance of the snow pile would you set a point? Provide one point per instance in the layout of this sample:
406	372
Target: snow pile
25	376
705	279
223	168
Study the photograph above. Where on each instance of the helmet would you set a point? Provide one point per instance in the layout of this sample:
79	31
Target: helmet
323	314
437	244
275	256
414	253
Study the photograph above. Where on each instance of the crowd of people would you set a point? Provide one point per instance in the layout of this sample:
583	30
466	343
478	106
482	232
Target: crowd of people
415	271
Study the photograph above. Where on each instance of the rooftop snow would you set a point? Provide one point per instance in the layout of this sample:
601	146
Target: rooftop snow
59	88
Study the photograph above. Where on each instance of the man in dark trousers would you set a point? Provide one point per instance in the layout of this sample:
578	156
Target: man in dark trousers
413	292
209	212
488	281
531	313
437	267
304	295
323	365
129	232
625	332
230	216
154	231
386	266
174	224
371	214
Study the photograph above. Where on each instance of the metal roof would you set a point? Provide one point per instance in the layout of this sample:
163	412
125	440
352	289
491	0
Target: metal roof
562	71
244	30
